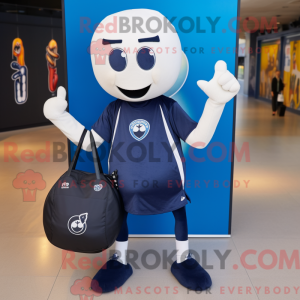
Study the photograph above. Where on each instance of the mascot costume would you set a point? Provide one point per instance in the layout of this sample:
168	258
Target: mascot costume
143	121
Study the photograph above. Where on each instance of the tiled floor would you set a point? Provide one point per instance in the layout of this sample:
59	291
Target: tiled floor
265	219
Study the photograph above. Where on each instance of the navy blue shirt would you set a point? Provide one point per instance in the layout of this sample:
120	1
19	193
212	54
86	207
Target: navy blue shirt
146	151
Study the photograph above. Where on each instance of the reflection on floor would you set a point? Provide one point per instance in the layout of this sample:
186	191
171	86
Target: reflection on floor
265	216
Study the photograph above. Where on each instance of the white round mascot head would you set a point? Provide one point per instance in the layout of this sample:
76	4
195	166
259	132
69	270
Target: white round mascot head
136	54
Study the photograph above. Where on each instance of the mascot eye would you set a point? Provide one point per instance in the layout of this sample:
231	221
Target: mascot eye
118	59
146	58
25	181
33	181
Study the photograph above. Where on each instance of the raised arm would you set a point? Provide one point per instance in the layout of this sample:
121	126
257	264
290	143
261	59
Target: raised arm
55	111
220	89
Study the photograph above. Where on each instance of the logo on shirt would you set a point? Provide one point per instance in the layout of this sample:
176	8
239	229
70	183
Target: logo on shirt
98	187
77	224
139	129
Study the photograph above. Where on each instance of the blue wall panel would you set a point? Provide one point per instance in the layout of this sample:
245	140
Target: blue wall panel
209	212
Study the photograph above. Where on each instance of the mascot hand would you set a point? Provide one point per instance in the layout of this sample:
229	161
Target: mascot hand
54	107
222	87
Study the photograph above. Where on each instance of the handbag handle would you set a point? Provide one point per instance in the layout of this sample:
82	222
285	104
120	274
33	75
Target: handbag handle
96	160
76	155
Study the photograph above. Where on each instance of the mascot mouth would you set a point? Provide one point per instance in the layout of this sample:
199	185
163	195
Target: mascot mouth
135	93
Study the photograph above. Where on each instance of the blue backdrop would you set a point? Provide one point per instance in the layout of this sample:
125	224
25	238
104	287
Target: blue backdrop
208	181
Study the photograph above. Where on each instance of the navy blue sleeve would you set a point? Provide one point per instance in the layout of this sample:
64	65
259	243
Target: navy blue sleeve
104	125
181	123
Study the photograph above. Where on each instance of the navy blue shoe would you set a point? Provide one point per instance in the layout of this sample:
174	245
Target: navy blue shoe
191	275
111	276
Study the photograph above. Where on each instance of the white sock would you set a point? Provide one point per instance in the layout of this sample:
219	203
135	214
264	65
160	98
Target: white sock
182	248
121	250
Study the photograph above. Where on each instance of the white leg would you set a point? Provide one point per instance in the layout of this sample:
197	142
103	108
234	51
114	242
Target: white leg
182	248
121	250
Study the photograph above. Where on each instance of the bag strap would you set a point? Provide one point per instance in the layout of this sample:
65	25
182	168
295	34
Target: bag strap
96	160
76	155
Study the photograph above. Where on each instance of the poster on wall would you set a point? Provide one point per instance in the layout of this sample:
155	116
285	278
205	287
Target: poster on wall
269	62
291	76
52	56
20	77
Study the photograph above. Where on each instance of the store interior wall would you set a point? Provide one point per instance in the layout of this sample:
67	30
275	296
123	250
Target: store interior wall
287	61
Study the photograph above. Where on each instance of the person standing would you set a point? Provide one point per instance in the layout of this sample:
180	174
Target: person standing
277	88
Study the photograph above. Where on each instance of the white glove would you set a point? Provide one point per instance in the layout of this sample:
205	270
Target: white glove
222	87
220	90
54	107
55	111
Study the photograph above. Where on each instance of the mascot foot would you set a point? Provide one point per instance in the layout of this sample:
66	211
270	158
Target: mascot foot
191	275
111	276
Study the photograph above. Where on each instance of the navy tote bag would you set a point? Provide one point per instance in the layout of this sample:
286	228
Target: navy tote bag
83	211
